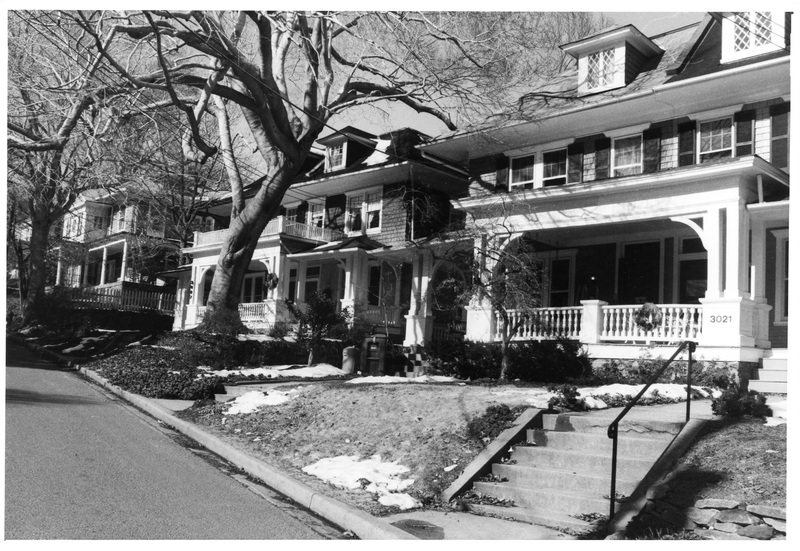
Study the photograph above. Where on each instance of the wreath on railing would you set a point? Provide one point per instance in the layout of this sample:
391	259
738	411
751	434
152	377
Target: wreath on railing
648	317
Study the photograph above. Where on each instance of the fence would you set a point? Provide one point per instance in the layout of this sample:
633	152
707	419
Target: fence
121	298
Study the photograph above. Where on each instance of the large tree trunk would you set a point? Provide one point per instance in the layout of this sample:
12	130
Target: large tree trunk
37	272
222	309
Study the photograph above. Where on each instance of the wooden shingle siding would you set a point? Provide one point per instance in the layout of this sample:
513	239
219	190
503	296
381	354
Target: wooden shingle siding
483	176
393	216
634	60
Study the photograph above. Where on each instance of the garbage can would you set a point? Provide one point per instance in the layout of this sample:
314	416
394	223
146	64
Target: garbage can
350	357
374	358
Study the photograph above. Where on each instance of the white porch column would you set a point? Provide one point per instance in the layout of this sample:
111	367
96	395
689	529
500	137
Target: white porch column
481	321
348	297
124	266
103	267
712	228
419	321
758	286
301	281
59	269
736	251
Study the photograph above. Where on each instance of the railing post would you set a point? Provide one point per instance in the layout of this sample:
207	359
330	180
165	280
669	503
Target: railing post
592	321
692	346
613	495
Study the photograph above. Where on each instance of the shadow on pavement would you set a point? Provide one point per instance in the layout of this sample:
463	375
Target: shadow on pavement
17	396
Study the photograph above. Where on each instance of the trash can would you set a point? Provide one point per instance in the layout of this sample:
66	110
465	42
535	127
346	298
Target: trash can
350	357
374	358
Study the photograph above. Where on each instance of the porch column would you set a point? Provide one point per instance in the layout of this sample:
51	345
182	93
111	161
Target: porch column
85	274
124	265
736	251
592	321
481	321
712	228
103	267
301	281
347	301
419	321
59	268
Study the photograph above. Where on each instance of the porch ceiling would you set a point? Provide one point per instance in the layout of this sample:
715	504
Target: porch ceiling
606	233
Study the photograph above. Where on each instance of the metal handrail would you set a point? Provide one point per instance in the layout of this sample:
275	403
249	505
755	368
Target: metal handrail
613	428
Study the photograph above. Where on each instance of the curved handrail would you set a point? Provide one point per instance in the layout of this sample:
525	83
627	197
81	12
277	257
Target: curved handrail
613	428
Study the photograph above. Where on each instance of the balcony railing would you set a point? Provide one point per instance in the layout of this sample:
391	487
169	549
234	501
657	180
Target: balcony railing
679	322
274	227
544	323
379	315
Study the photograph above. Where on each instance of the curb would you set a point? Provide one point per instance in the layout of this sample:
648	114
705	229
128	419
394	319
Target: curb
364	525
63	361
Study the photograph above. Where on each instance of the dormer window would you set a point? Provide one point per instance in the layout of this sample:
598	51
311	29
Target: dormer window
748	34
335	157
601	68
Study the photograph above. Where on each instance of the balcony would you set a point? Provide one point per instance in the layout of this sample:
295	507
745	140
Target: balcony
277	226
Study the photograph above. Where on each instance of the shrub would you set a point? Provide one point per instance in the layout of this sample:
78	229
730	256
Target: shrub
279	330
495	420
466	360
550	361
736	403
566	398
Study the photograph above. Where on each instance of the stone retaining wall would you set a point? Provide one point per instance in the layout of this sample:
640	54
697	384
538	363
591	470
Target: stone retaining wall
717	519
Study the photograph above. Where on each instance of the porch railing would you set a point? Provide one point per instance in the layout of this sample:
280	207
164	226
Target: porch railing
678	322
448	332
248	312
119	297
380	315
544	323
274	227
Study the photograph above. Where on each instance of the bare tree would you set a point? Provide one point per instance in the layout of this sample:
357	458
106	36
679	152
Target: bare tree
289	73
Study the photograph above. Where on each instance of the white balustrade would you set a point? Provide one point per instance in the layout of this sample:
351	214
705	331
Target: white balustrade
252	311
678	322
543	323
380	314
274	227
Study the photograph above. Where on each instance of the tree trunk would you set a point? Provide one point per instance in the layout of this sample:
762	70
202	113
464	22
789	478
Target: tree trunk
37	272
504	358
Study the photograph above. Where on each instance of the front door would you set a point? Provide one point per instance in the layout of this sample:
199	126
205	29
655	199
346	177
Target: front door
639	273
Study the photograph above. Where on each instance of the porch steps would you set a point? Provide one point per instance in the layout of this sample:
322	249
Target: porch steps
564	469
770	376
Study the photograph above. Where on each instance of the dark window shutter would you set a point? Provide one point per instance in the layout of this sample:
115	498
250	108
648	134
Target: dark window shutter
652	150
602	157
779	143
282	211
686	146
334	215
501	168
575	163
744	132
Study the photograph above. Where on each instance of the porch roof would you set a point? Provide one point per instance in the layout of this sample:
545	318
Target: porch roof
357	242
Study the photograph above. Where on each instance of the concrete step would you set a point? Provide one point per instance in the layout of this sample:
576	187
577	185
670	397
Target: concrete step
599	482
768	387
563	501
586	462
778	364
627	446
534	515
578	422
771	375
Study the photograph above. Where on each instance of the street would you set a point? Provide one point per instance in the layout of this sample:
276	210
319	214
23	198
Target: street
81	464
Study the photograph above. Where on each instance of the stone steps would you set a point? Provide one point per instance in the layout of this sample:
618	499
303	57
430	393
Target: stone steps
565	469
771	376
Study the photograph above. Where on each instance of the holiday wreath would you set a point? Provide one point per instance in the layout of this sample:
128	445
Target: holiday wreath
648	317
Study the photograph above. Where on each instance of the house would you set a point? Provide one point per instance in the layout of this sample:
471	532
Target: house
356	225
112	247
655	170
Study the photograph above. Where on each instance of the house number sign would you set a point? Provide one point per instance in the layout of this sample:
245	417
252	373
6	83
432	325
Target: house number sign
720	319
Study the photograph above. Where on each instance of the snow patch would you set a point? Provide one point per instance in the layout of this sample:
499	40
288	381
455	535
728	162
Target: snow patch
252	401
388	379
82	343
278	371
373	475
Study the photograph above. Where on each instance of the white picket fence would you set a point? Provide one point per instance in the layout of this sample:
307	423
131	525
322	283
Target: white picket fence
121	298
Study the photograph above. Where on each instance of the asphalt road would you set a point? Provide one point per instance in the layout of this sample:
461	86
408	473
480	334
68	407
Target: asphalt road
82	464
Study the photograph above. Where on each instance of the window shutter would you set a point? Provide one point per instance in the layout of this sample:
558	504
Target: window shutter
282	211
779	141
501	167
302	211
335	206
575	163
744	132
652	150
686	145
602	157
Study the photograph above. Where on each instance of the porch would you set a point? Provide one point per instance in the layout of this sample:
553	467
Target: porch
277	226
123	296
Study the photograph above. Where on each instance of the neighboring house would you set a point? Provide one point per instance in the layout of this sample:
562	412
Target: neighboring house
354	226
112	246
656	170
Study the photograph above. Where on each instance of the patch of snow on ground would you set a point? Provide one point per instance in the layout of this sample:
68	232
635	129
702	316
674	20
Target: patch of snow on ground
277	371
251	401
779	411
83	342
388	379
346	471
663	389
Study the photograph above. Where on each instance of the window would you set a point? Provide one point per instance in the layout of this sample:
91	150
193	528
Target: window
374	286
716	140
335	156
364	212
291	214
119	218
628	156
555	168
312	280
522	172
99	222
600	71
316	214
748	34
253	289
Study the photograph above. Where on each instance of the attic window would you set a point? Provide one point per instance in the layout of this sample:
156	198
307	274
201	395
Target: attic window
334	158
601	69
748	34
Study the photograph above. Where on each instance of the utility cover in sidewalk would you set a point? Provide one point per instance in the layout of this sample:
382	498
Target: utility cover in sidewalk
421	529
